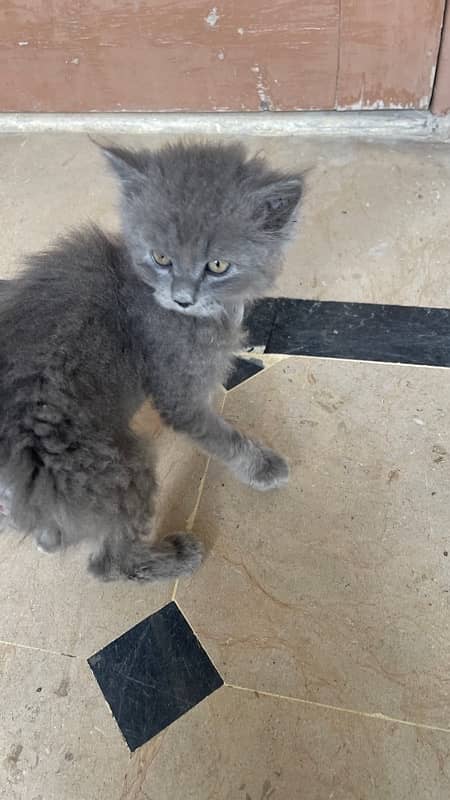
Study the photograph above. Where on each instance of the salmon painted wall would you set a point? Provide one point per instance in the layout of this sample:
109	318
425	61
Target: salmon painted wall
253	55
441	94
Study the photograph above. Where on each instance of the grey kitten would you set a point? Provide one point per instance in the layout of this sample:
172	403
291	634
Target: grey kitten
98	323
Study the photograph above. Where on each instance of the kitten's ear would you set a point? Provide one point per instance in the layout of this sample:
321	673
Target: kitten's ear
277	201
130	166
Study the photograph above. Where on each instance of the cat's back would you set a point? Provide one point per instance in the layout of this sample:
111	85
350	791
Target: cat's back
62	322
62	293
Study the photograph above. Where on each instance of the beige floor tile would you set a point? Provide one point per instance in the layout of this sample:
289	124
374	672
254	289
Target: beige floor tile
50	183
241	746
49	601
374	224
181	467
334	591
58	740
336	588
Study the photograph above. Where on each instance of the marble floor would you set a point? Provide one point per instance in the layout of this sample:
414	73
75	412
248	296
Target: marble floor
308	659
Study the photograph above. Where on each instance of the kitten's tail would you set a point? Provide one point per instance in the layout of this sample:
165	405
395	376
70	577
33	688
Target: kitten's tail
176	555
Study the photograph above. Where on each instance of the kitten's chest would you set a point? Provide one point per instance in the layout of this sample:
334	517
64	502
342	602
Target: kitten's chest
190	353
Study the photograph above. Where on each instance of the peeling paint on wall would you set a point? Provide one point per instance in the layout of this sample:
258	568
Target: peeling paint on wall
375	75
213	18
265	101
381	105
313	54
432	76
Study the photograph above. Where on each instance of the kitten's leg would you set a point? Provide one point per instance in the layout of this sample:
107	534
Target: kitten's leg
101	491
5	500
251	462
5	511
48	539
127	548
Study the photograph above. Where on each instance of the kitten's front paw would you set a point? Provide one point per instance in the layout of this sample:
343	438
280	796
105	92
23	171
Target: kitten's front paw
263	469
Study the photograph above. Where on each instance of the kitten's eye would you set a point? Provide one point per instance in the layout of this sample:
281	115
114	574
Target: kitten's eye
161	259
217	267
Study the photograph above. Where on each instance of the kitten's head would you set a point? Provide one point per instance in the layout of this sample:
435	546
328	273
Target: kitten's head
204	224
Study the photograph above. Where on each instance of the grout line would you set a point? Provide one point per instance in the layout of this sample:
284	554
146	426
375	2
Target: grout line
256	375
222	405
247	380
367	714
193	514
191	518
347	360
175	587
306	356
250	355
37	649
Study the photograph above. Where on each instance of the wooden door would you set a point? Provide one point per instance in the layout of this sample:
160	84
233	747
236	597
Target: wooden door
190	55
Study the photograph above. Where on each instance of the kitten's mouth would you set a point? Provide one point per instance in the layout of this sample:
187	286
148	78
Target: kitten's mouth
171	305
197	309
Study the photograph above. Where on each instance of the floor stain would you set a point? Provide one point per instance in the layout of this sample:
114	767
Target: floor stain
439	453
14	754
268	791
63	688
329	402
393	475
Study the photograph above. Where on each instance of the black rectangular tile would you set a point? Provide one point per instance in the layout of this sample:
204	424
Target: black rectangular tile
363	331
258	322
153	674
243	369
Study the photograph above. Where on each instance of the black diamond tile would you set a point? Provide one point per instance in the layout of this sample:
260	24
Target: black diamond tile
242	370
363	331
153	674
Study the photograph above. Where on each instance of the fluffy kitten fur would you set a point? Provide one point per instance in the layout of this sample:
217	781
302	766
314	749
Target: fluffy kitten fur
93	326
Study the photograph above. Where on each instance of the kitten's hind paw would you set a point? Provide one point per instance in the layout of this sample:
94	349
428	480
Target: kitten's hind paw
176	555
262	469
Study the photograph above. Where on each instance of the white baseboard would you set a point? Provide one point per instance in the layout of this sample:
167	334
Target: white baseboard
414	125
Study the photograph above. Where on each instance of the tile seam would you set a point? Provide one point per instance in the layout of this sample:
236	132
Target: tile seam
38	649
341	709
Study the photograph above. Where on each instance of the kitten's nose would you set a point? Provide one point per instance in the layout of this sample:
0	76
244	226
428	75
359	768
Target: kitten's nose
183	291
